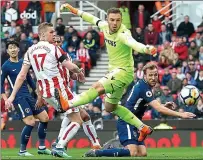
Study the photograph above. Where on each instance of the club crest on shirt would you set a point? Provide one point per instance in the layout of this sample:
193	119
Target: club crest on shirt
148	93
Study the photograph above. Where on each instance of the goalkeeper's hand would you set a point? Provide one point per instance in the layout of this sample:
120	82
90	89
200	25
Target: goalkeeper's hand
151	50
69	7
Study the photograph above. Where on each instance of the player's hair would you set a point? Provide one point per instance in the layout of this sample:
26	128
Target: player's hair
43	27
113	10
12	42
150	66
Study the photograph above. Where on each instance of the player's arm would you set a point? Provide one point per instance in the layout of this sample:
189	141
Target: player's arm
128	40
164	110
84	15
31	82
3	77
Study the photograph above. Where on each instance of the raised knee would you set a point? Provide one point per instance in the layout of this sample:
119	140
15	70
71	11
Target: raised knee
144	154
84	115
100	89
46	118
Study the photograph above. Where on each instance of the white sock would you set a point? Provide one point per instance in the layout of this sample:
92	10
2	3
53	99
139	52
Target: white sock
64	124
68	133
91	133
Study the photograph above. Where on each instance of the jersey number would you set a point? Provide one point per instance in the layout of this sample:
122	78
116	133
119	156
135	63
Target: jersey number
39	58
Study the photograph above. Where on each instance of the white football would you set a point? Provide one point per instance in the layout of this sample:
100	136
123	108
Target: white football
189	95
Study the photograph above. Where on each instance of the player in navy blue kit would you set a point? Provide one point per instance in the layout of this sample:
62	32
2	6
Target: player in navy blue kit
24	103
140	97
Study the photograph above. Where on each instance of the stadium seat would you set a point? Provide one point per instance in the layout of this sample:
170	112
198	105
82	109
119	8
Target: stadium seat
101	39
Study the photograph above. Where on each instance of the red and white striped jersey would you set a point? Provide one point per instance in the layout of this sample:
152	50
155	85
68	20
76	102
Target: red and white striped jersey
44	59
82	55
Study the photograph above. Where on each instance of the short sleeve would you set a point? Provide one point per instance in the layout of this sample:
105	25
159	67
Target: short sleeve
26	58
147	95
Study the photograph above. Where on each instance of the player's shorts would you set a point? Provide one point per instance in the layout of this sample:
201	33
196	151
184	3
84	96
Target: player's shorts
67	94
25	106
128	134
115	82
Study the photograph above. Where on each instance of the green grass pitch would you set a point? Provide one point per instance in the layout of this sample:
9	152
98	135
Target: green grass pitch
157	153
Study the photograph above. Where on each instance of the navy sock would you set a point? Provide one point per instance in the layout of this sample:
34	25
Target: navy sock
25	136
42	128
114	152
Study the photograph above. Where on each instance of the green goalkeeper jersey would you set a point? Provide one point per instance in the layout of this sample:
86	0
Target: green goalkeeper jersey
120	55
119	45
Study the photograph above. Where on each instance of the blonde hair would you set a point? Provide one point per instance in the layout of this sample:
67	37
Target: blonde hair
150	66
43	27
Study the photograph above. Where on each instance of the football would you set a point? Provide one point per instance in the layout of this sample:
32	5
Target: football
189	95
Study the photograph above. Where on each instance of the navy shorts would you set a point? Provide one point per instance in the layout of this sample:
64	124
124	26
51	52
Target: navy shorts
128	134
25	106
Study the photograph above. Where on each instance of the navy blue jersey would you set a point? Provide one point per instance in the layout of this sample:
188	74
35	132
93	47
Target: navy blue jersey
10	70
140	95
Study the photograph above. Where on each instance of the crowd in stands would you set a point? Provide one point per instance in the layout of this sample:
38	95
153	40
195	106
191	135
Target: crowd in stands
179	58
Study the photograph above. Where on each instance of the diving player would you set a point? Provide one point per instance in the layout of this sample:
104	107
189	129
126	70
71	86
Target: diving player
140	97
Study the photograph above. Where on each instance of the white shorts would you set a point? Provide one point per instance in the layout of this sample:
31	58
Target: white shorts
67	95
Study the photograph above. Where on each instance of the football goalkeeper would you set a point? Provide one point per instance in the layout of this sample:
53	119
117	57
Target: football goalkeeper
119	43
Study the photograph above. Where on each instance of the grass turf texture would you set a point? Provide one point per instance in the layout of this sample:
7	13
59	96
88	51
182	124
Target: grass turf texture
156	153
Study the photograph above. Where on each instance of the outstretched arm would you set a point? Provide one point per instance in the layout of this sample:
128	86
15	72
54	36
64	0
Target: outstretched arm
128	40
84	15
164	110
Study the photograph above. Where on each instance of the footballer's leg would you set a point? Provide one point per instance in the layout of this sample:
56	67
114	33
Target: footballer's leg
117	81
142	151
89	129
25	113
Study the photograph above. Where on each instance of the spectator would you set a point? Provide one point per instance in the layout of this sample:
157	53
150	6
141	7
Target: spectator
166	77
140	72
185	28
199	80
89	43
185	82
60	27
193	49
157	91
190	79
141	17
198	39
26	27
199	109
138	35
12	29
23	45
164	35
193	71
30	37
169	25
185	67
84	58
95	35
201	55
75	42
181	49
125	15
174	84
68	34
173	41
35	40
186	41
49	9
17	35
151	36
176	62
34	6
180	75
163	61
168	52
64	45
156	24
72	53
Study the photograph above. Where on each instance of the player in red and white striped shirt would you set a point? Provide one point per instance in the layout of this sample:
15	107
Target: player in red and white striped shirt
70	115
